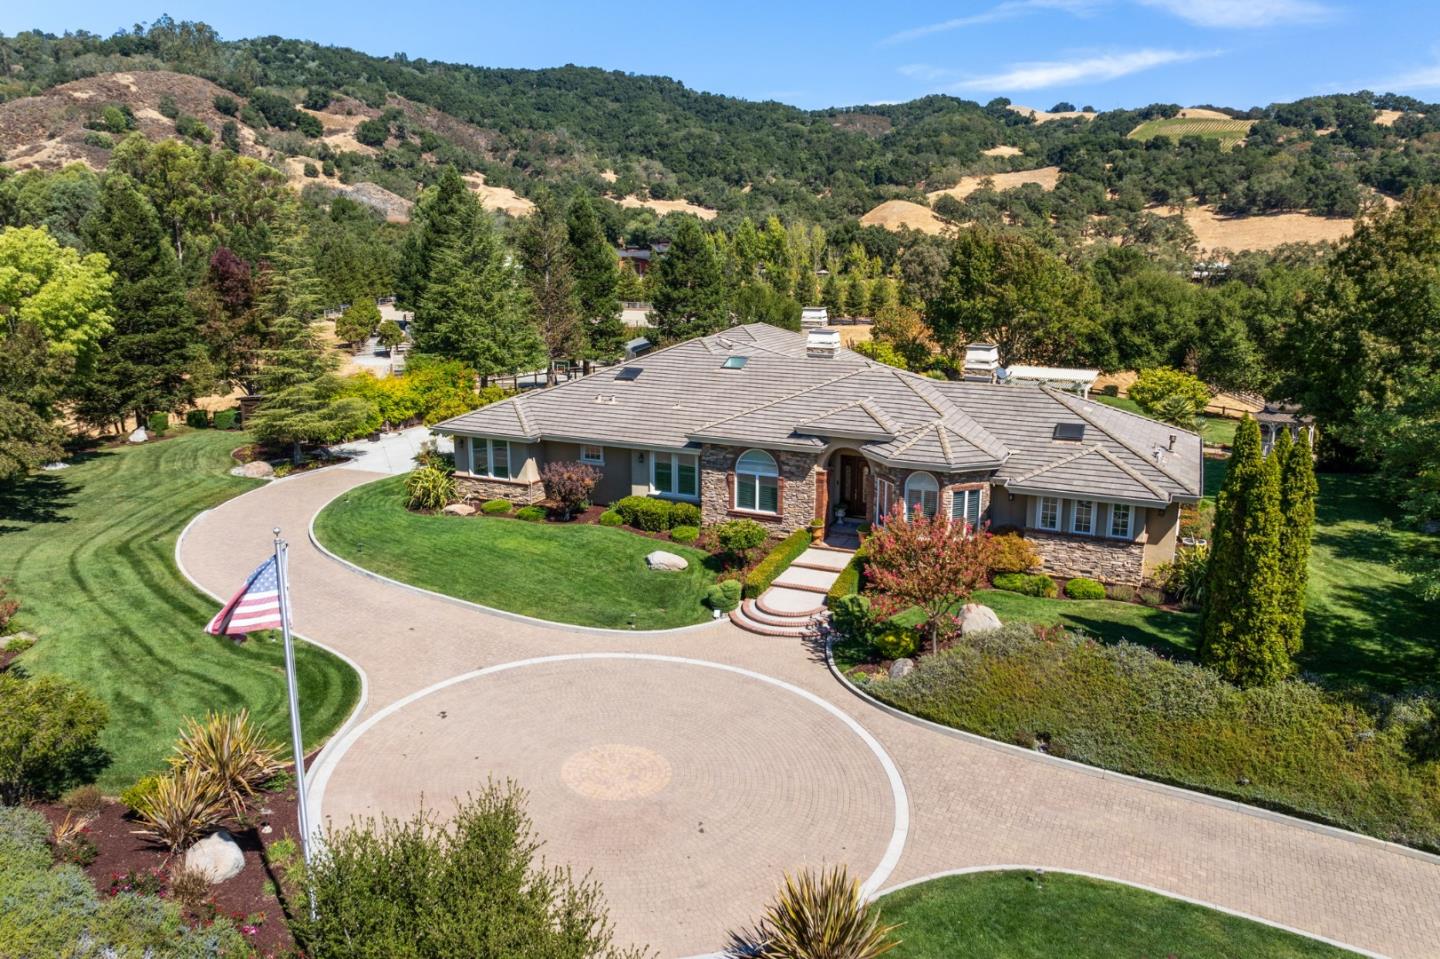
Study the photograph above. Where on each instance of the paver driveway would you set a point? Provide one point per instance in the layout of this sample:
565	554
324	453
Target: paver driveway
786	777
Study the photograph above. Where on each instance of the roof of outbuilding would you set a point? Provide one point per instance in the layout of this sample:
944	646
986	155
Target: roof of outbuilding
784	398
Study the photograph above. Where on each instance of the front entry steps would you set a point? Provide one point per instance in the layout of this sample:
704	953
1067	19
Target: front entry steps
794	606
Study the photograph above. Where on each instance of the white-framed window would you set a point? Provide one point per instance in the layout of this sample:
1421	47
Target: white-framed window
757	482
922	495
1122	520
884	499
490	458
675	474
1082	517
1047	514
965	507
594	455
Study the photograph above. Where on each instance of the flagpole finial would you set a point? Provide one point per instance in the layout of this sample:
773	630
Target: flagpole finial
276	531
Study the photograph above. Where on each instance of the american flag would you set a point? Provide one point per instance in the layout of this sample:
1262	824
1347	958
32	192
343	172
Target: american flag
255	607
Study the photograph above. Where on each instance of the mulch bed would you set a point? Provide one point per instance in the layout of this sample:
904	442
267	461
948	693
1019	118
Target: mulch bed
248	898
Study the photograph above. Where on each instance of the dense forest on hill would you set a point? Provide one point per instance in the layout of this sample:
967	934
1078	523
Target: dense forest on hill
620	135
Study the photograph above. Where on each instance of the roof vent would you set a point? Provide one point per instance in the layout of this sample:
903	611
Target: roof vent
1070	432
822	343
628	374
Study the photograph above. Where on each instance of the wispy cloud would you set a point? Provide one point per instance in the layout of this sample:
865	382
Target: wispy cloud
1243	13
1420	78
1038	75
1008	10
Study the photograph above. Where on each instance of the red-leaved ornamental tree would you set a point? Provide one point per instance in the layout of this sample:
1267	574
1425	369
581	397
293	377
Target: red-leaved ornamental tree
926	562
569	484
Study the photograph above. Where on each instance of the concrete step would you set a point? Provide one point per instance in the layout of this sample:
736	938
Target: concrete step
779	601
829	559
810	580
754	612
738	617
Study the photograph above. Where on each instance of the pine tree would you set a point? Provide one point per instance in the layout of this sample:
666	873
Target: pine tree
439	218
152	356
597	282
690	296
543	245
1298	491
289	300
471	307
1242	632
832	297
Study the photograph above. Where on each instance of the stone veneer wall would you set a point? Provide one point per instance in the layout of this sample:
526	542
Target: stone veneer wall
797	493
947	481
479	489
1108	560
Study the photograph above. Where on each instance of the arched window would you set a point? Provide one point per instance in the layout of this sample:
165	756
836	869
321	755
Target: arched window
922	495
757	482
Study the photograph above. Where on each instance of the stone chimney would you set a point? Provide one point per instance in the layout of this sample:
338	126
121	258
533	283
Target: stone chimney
822	343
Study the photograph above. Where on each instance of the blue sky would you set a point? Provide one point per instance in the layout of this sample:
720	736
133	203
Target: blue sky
1106	53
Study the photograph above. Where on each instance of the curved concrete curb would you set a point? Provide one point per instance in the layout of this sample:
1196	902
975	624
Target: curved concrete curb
325	766
973	870
457	601
1178	792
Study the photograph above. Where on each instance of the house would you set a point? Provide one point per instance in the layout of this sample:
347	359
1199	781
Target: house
1276	418
784	428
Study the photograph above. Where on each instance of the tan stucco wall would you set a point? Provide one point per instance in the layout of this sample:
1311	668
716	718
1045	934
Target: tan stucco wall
1162	532
614	474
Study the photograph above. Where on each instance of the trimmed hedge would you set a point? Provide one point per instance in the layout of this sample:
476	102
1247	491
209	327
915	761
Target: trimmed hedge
530	514
158	423
1292	746
685	534
723	596
197	419
684	514
611	518
849	581
776	562
494	507
225	419
1082	588
1036	585
656	515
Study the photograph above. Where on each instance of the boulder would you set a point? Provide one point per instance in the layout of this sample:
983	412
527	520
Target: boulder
257	469
459	509
665	562
139	436
975	618
901	667
218	857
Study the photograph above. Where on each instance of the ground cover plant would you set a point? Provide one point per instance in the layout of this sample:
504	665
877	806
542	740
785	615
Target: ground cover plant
91	551
1023	914
585	574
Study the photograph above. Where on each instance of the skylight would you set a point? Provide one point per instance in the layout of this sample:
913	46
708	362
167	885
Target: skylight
734	362
628	373
1070	431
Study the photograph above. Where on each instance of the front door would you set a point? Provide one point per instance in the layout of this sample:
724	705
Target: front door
854	480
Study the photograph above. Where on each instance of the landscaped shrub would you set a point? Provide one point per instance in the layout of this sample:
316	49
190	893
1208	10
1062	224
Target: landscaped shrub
850	616
738	537
225	419
849	581
84	800
1184	578
1036	585
231	751
197	419
724	595
1012	553
569	484
1082	588
184	805
820	914
49	736
429	488
611	518
137	794
530	514
494	507
644	512
158	423
1291	746
684	514
776	561
1120	592
685	534
893	641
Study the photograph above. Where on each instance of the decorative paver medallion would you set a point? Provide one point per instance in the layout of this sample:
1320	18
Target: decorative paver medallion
616	772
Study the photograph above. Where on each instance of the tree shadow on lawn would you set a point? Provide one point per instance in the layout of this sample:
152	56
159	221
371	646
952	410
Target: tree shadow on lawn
40	498
1172	635
1374	635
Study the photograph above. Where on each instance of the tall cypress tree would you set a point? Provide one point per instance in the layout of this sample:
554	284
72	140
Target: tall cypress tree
1298	491
690	297
597	282
153	358
1242	633
288	303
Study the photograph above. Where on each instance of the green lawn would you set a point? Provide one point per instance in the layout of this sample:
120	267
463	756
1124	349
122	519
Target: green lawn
90	553
1026	915
1216	430
585	575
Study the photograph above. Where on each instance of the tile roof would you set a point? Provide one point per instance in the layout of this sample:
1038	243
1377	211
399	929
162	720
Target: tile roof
784	399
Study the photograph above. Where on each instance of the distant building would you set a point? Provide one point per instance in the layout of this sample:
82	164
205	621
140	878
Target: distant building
1276	418
641	258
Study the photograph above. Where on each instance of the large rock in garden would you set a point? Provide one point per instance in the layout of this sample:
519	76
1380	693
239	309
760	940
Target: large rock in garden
901	668
218	857
257	469
665	562
139	436
975	618
459	509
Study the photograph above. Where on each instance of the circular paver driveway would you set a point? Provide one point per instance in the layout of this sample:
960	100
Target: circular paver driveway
686	787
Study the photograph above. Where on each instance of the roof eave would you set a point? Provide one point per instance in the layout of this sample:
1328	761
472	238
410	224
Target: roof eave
1026	489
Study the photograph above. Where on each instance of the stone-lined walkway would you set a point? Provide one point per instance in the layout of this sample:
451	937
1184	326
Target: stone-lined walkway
793	604
968	804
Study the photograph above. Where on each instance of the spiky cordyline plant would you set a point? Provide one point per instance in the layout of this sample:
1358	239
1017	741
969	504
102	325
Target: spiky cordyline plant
817	916
230	750
182	806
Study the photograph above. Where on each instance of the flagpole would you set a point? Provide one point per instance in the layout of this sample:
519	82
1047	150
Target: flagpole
282	567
